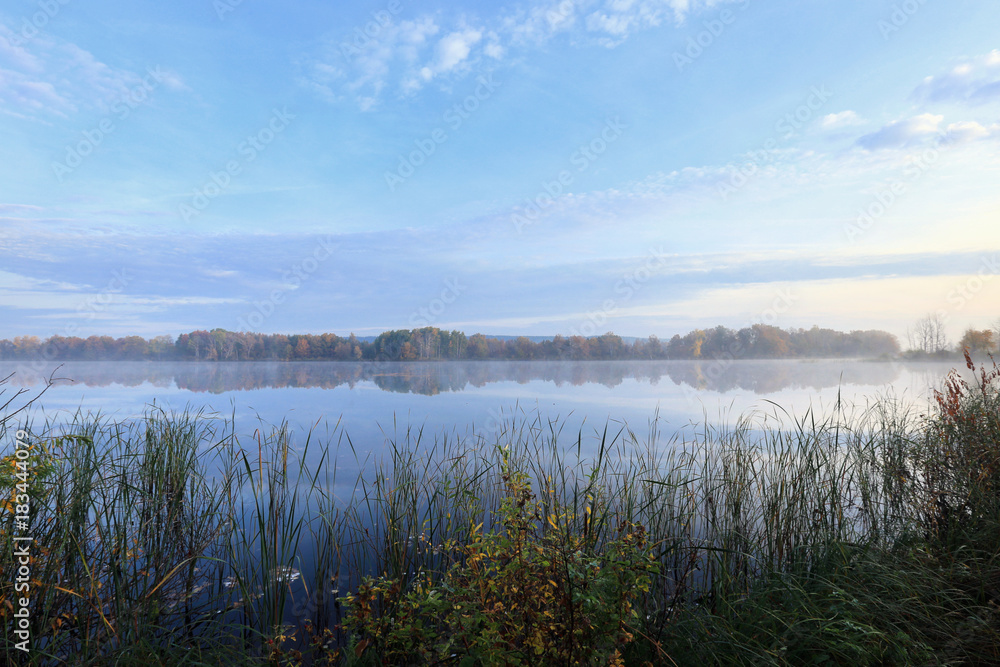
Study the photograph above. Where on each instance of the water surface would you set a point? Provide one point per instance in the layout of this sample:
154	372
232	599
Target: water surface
373	400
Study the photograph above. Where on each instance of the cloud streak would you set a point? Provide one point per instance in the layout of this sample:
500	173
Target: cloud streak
49	78
405	56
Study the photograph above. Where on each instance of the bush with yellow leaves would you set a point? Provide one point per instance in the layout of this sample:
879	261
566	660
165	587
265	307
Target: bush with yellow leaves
534	591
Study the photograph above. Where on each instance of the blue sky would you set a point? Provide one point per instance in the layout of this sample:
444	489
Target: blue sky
640	166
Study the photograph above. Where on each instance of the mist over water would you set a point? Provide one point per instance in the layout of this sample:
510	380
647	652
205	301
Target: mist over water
372	400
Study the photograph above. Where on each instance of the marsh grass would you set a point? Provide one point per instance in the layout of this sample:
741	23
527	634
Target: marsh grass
867	535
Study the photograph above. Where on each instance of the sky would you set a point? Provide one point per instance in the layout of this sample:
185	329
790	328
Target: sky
538	168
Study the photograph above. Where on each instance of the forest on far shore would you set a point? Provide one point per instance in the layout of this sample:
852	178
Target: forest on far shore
759	341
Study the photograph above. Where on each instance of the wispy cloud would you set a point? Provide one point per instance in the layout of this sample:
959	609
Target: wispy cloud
402	57
48	77
913	131
902	133
18	208
841	120
976	80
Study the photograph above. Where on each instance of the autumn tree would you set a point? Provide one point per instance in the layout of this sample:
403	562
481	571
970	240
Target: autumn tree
477	348
770	342
977	342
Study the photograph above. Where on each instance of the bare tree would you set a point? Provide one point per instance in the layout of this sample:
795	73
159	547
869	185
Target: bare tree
928	334
940	336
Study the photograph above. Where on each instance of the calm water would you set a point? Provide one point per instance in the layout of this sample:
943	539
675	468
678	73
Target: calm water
377	401
455	397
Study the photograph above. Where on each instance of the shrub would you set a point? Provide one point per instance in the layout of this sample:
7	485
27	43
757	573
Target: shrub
532	592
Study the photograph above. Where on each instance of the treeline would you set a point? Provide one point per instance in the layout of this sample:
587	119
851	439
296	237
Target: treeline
759	341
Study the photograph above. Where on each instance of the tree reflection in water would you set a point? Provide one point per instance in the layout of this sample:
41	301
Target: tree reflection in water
430	378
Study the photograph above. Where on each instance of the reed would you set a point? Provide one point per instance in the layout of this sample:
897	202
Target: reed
868	534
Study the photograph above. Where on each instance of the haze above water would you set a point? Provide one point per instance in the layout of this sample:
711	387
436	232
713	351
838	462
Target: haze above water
373	401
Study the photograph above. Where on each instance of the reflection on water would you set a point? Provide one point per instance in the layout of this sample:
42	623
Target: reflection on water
431	378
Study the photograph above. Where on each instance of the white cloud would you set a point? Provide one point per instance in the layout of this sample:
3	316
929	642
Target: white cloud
404	56
363	70
454	48
976	80
451	52
902	133
620	18
494	50
541	22
173	80
413	35
610	22
967	131
616	25
15	281
836	121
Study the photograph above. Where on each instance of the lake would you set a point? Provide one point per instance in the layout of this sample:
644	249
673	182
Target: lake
375	403
374	400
